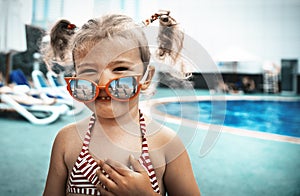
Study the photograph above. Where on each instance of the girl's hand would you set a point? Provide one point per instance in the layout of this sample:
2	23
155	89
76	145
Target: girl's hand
117	179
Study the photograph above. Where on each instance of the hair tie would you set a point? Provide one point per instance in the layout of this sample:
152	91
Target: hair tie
71	26
161	14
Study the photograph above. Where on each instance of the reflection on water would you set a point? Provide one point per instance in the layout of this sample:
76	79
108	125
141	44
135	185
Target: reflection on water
279	117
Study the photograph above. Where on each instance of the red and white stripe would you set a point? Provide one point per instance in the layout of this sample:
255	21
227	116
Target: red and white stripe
145	159
83	178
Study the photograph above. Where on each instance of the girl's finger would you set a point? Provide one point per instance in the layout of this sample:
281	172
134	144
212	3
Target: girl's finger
119	167
105	181
136	165
103	191
109	172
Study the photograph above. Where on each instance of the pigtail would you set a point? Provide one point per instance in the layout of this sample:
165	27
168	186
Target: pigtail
57	53
170	43
170	38
60	36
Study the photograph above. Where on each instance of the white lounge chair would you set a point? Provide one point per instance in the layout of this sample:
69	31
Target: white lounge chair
56	80
32	113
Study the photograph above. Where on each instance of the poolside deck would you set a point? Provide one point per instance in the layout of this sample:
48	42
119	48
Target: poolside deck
229	164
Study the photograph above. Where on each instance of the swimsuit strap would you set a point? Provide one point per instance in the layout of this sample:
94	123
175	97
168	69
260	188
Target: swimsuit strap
144	159
142	124
87	137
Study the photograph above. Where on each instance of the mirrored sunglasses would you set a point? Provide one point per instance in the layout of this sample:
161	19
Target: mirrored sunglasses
120	89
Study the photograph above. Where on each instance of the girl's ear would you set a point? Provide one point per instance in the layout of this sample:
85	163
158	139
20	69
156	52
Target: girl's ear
151	71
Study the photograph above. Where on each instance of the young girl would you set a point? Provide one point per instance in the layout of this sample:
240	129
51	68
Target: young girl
118	150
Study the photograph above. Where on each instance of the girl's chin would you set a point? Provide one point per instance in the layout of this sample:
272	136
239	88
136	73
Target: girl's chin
109	109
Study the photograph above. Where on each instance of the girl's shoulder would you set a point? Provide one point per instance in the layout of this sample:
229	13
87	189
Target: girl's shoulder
69	142
165	140
160	132
67	131
72	132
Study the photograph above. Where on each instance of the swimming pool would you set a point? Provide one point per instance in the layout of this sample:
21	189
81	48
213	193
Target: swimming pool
277	117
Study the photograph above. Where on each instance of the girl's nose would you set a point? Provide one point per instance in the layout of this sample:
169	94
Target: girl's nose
103	79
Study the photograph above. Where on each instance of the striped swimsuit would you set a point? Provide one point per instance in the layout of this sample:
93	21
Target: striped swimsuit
83	178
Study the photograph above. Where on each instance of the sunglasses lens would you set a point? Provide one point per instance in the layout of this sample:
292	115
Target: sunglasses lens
123	88
82	90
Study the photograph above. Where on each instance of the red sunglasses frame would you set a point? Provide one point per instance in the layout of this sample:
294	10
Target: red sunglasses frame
102	87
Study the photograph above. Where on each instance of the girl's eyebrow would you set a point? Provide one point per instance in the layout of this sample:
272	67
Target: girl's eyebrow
87	71
88	67
93	69
116	62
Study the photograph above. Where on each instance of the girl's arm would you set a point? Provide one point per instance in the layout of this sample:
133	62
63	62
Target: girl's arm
179	178
57	174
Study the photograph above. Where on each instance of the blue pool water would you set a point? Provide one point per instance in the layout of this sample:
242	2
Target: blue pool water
279	117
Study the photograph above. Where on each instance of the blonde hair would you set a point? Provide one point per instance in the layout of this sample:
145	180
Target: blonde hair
108	26
170	38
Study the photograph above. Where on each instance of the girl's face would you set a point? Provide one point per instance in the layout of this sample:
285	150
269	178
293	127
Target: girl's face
110	59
